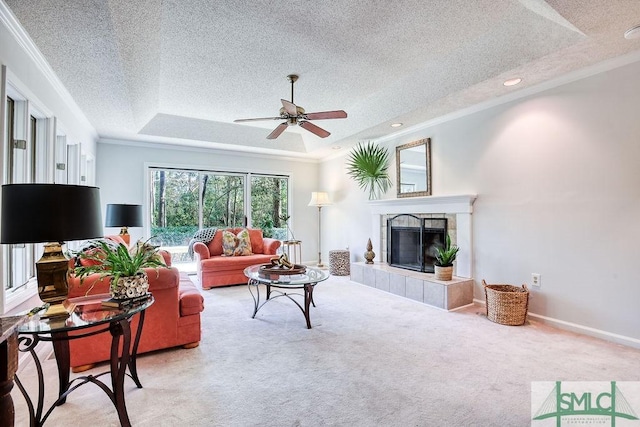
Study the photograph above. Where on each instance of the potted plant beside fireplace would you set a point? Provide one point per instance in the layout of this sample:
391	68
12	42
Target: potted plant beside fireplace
445	256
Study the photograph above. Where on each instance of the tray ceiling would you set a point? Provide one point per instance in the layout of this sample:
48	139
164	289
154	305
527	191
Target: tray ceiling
182	71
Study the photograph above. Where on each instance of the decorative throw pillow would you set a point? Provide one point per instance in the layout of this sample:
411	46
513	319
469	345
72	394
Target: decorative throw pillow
93	252
236	244
147	247
229	243
92	248
204	235
244	243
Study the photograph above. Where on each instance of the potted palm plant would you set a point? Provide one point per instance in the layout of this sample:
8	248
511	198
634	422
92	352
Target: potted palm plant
444	260
124	266
368	165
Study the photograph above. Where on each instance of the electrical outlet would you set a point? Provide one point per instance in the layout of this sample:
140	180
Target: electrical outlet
536	280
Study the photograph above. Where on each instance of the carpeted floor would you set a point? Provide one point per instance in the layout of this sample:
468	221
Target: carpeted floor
371	359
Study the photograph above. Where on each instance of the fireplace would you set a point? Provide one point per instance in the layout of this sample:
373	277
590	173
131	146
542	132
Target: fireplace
412	241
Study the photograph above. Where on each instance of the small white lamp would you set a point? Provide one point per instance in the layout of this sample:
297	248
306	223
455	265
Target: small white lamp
319	199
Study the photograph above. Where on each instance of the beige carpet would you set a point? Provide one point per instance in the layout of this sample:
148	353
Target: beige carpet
371	359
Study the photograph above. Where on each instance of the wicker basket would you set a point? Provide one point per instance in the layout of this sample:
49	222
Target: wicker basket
506	304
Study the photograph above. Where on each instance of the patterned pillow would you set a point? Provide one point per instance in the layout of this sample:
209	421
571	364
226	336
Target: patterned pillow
236	245
229	243
204	235
244	243
92	247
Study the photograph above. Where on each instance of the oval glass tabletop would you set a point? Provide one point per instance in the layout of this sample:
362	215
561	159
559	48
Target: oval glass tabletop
262	275
83	313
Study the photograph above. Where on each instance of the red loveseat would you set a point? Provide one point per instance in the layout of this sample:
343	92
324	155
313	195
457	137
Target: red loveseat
173	319
215	269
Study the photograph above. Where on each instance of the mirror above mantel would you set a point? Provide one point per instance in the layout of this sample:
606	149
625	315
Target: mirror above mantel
413	168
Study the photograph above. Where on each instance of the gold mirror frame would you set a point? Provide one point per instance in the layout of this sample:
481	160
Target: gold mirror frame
403	184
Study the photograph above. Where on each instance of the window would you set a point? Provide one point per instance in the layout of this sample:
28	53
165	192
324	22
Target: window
20	258
269	205
60	175
183	201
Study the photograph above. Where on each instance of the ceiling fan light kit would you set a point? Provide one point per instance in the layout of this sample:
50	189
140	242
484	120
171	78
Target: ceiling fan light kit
293	114
632	33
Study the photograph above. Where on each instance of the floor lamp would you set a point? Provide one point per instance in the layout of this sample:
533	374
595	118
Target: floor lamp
319	199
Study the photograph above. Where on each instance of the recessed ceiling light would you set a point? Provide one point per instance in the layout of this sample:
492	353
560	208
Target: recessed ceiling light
336	147
632	33
512	82
396	125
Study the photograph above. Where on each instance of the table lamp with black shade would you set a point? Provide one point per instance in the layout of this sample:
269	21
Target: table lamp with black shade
51	214
125	216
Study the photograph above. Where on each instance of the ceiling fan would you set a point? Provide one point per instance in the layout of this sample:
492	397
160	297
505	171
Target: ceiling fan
295	115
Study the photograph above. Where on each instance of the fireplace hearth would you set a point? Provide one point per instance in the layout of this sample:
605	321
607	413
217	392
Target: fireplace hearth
412	242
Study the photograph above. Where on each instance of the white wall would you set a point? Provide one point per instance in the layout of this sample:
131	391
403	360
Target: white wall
557	176
121	166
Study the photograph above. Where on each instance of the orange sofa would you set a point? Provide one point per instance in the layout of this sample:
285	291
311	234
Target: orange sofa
214	269
173	319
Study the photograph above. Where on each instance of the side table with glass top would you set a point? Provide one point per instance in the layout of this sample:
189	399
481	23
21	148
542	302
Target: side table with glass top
88	313
293	249
306	280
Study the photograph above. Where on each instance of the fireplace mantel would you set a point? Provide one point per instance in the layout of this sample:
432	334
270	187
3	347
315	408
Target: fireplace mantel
460	205
429	204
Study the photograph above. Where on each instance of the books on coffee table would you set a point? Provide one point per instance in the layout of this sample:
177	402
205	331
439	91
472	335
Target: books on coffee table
120	303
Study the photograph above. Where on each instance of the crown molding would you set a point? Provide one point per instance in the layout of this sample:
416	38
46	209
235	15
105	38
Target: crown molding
10	21
206	148
570	77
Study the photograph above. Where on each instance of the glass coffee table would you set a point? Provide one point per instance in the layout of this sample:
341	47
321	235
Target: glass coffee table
281	284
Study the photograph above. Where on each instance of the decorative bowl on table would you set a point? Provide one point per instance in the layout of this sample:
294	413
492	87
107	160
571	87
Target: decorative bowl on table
268	269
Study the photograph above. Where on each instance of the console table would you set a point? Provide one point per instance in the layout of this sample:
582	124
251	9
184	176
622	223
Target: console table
293	249
88	317
8	366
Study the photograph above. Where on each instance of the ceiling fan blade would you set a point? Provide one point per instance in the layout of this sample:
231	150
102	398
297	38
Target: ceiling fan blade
338	114
277	131
315	129
289	107
257	119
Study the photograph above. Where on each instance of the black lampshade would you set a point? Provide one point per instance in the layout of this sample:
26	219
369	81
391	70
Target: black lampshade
37	213
124	216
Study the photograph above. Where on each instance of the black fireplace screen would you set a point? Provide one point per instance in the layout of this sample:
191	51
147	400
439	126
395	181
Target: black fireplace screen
412	242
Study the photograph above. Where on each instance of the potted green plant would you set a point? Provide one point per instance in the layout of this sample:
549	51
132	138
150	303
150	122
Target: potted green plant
124	266
368	165
444	260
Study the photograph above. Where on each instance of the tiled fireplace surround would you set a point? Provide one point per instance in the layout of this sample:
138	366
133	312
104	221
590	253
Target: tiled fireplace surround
415	285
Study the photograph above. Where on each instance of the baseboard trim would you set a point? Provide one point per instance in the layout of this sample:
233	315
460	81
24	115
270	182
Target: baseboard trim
581	329
460	308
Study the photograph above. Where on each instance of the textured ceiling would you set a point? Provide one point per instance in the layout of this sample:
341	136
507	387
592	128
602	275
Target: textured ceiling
182	71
